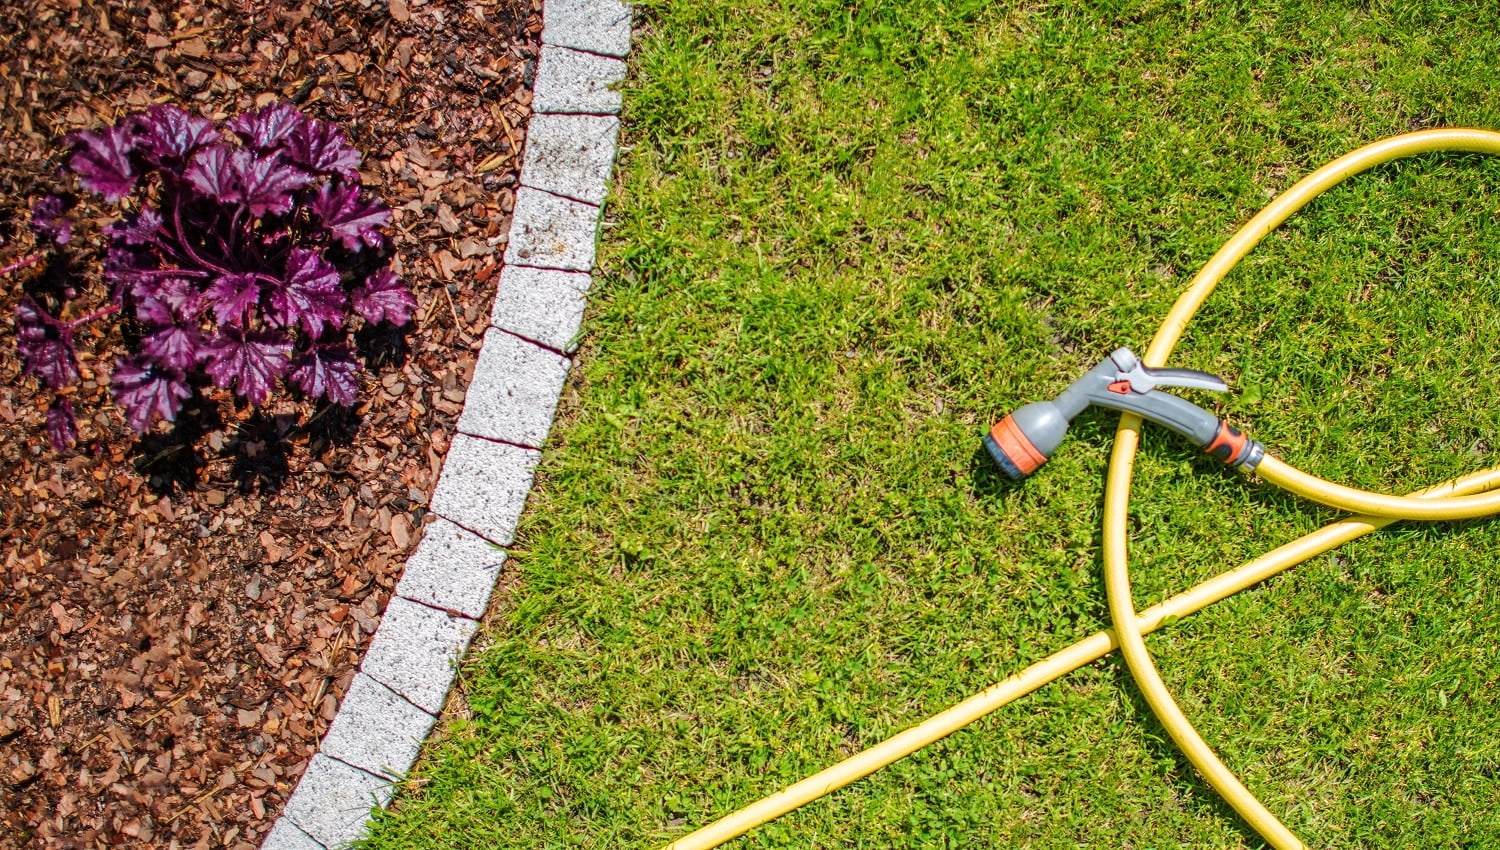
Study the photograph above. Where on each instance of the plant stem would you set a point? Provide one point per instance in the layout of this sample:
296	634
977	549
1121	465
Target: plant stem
182	238
172	272
97	314
21	264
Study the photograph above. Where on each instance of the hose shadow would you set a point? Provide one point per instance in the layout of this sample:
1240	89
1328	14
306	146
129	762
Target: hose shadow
1205	800
1200	795
1195	793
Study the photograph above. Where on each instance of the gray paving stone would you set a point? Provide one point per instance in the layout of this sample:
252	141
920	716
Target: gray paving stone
452	569
514	391
285	835
416	650
484	485
571	155
333	801
598	26
545	305
552	232
575	82
376	730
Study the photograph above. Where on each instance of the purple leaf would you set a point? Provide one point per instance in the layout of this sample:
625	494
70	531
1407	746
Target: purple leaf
102	161
265	182
328	371
62	431
150	309
384	297
166	302
171	134
44	345
312	293
128	269
349	219
50	222
266	129
181	296
250	360
176	347
232	297
210	173
322	147
139	229
146	390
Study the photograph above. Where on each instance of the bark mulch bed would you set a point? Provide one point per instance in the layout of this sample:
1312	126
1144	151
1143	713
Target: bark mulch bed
180	614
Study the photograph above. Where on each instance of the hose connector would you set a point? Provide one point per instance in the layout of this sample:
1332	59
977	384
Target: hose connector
1021	442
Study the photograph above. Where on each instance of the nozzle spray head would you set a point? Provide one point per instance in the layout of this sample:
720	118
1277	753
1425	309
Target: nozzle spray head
1022	441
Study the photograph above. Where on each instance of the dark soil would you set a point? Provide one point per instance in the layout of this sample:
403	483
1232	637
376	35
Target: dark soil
181	613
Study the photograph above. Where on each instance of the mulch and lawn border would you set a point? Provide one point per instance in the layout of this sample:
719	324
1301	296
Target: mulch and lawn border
393	703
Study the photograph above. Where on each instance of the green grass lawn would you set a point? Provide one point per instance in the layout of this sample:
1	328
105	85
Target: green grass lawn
844	239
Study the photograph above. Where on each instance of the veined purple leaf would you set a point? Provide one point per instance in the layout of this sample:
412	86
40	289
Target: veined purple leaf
149	308
265	182
139	229
62	430
176	347
33	324
50	222
126	269
349	219
171	134
210	173
232	297
146	391
102	161
184	299
328	371
384	297
249	360
266	129
311	294
322	147
44	345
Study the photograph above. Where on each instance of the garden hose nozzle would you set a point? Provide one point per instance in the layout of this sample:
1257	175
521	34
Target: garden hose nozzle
1024	440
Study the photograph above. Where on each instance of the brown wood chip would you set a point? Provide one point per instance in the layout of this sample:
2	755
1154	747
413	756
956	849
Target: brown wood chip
175	641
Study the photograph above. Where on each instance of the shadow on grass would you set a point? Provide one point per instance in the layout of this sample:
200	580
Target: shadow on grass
1205	799
988	481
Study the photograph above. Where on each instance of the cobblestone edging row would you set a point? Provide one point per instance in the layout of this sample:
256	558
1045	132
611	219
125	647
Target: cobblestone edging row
403	680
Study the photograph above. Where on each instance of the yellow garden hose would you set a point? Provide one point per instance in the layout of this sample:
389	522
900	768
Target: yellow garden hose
1474	495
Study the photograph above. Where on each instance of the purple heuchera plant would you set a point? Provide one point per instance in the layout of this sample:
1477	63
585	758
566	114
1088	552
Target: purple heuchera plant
237	264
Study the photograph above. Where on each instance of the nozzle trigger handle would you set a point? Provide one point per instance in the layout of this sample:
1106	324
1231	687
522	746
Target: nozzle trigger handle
1144	380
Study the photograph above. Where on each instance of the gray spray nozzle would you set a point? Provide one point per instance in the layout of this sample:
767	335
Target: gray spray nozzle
1024	440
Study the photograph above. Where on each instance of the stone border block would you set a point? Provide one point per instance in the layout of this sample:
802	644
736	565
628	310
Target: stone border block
570	81
376	729
333	801
545	305
452	569
514	391
416	652
571	155
285	835
483	486
551	232
596	26
484	483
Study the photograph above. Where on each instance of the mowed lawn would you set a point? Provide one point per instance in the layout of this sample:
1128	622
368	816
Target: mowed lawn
844	238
